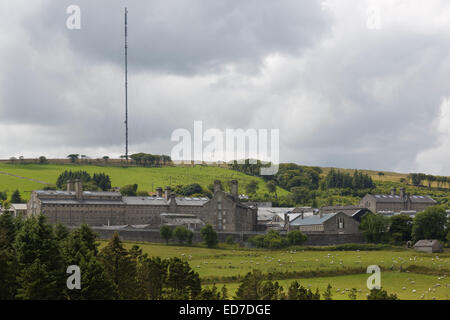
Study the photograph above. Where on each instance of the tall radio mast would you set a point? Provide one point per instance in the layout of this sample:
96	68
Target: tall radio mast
126	85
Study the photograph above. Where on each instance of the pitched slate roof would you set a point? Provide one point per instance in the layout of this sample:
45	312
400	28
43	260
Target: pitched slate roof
267	213
145	201
426	243
312	220
84	201
191	201
71	193
398	199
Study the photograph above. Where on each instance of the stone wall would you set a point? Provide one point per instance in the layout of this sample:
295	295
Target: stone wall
147	235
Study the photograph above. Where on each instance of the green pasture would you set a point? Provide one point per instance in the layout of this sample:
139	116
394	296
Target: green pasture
148	179
407	286
227	262
346	268
10	184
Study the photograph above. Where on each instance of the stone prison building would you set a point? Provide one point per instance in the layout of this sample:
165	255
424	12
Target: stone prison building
74	206
396	202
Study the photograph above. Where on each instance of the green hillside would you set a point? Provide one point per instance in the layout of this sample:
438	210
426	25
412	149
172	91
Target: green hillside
31	176
148	179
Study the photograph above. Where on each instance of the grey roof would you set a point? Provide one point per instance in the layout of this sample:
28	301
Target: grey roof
303	209
19	206
427	243
341	208
292	216
145	201
267	213
140	226
84	201
312	220
102	193
178	215
158	201
182	221
191	201
116	227
54	192
397	198
86	193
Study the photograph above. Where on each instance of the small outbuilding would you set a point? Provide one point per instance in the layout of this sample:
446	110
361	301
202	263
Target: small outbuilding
429	246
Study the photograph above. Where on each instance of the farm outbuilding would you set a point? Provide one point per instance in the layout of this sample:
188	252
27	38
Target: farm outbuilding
429	246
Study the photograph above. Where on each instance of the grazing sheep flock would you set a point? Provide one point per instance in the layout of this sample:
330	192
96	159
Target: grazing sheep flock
407	273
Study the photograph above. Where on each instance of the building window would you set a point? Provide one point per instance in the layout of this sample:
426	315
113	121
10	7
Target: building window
341	223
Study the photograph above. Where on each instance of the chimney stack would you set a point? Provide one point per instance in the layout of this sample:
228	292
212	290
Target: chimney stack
70	186
78	189
393	191
286	221
408	201
159	192
167	193
217	186
234	189
402	193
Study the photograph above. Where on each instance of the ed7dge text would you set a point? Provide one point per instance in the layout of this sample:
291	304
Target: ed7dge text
246	309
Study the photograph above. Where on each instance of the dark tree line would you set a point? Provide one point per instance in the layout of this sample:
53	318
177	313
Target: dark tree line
432	223
150	160
102	180
417	178
34	257
357	181
289	175
16	197
256	286
98	180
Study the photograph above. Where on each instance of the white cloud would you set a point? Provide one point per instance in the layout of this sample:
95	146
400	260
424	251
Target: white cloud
436	159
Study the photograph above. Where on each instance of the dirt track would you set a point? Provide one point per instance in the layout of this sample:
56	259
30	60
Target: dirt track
25	178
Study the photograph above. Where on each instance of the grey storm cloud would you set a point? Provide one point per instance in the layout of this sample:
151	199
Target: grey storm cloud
183	36
341	94
50	75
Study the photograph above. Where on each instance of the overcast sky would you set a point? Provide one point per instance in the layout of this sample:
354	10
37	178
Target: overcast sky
353	84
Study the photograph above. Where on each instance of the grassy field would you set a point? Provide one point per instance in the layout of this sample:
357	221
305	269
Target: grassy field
402	284
346	269
148	179
9	184
386	177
